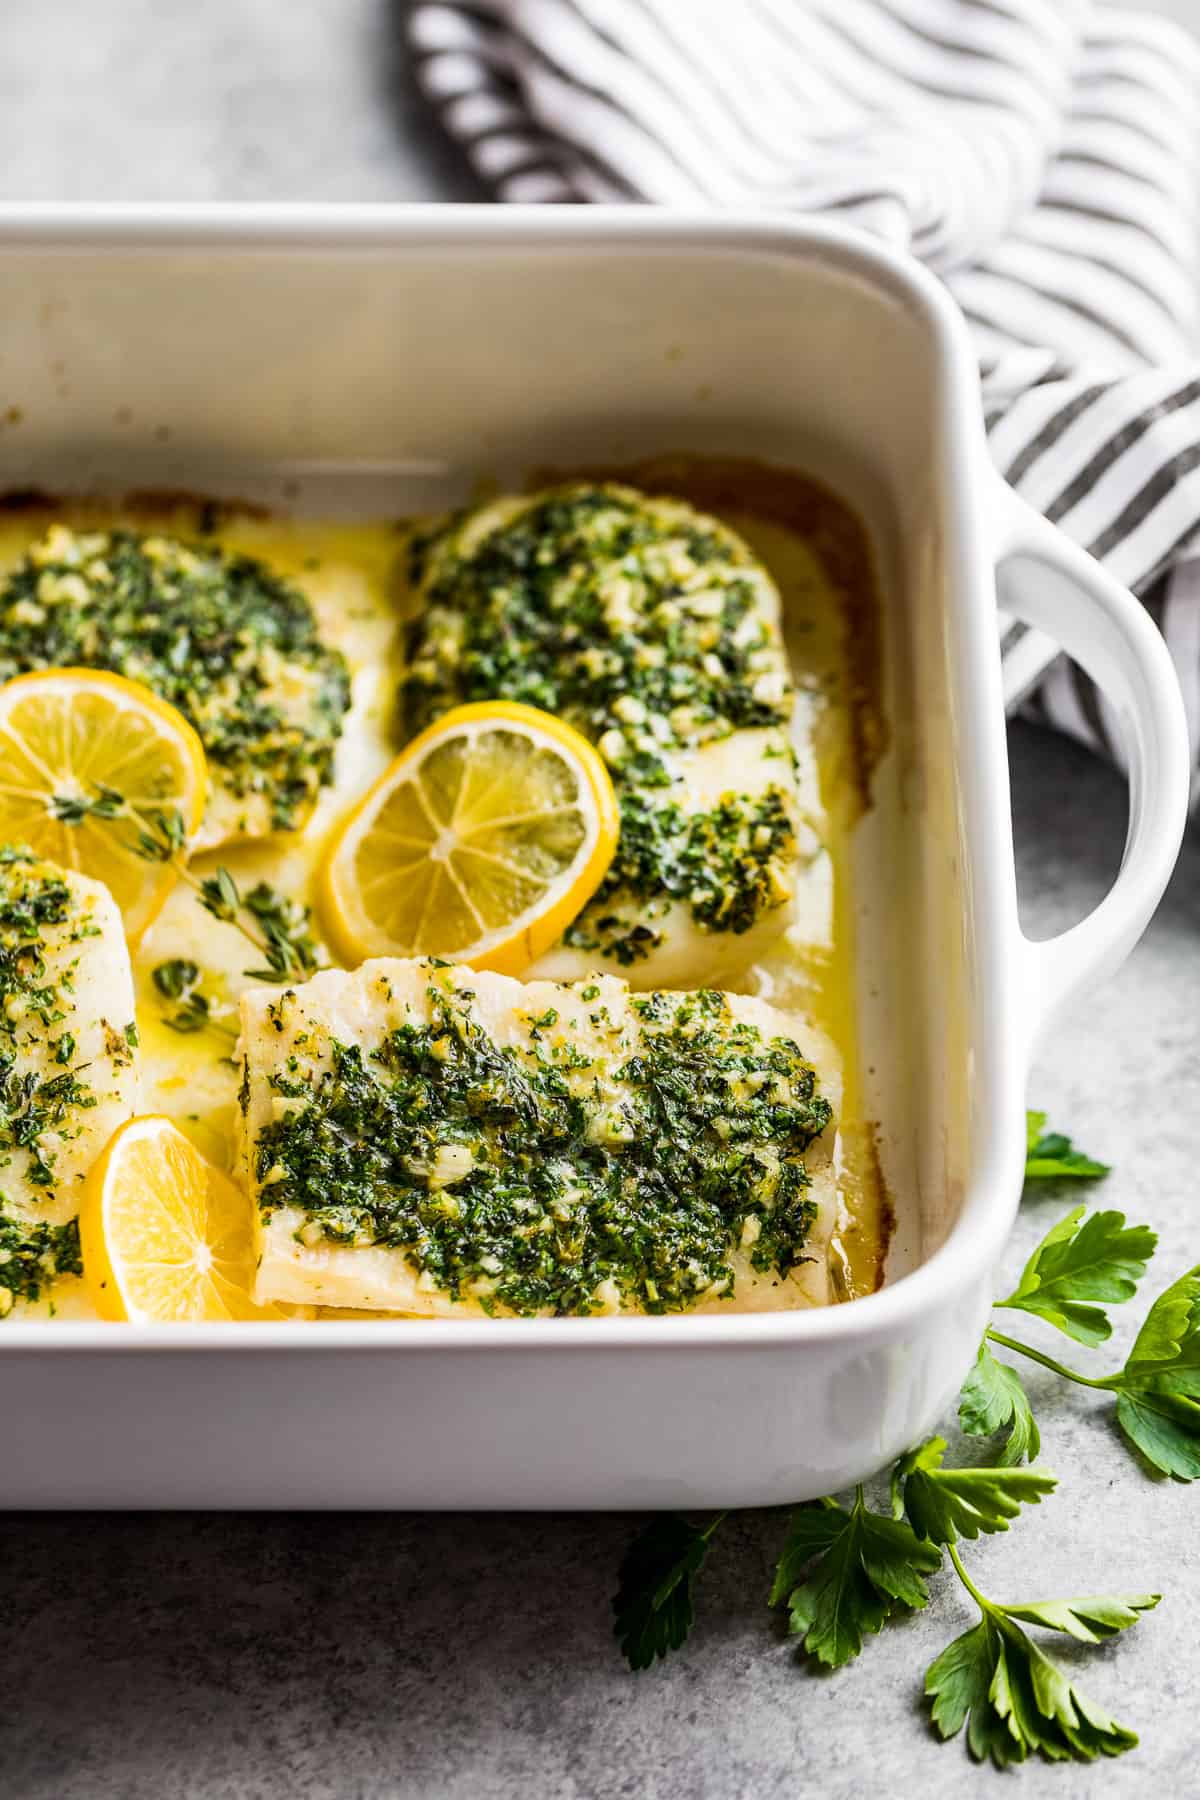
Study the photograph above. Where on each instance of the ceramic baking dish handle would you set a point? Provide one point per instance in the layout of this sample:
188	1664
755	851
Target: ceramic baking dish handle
1053	586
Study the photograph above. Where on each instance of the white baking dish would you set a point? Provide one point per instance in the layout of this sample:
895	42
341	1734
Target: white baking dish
385	359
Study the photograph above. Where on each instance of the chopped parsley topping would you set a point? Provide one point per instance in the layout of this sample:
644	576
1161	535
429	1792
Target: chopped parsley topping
647	626
220	636
34	1255
534	1178
31	1107
36	1111
724	863
48	1094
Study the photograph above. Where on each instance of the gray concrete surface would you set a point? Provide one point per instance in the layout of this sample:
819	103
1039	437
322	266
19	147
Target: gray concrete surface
224	100
353	1658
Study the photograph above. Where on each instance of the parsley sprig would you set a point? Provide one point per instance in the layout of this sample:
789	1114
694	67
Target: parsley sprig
946	1504
846	1571
1049	1156
1157	1387
1084	1264
1082	1260
653	1602
993	1400
1009	1692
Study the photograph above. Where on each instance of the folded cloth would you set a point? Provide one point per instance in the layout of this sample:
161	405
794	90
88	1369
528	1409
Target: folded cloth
1040	155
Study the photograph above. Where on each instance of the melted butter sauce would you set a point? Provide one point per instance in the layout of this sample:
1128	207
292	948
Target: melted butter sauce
353	575
812	971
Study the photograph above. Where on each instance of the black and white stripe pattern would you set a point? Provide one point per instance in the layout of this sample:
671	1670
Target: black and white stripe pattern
1041	155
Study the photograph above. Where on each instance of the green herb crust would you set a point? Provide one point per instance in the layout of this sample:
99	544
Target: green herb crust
233	646
724	863
32	1257
652	630
569	1171
35	1001
63	1064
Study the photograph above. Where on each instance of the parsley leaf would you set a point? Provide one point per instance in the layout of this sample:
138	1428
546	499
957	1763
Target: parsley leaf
1158	1390
992	1397
1092	1620
1100	1258
1049	1156
653	1601
944	1504
1014	1699
863	1566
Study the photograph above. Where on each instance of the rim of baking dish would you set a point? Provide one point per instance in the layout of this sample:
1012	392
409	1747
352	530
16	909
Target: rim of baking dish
972	1248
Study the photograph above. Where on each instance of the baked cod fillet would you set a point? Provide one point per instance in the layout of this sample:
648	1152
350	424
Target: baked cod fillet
427	1139
653	630
68	1074
220	636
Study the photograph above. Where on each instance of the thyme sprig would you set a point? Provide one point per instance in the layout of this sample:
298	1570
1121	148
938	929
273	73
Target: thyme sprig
277	926
73	809
280	925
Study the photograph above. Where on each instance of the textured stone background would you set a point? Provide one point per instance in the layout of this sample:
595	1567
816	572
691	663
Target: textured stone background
351	1658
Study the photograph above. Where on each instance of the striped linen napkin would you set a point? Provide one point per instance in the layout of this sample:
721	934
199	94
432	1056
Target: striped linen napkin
1040	155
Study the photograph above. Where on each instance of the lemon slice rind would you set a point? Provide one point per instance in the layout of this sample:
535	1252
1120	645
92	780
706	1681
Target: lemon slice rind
166	1237
72	734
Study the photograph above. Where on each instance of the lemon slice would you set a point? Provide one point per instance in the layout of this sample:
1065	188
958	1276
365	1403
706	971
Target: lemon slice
480	843
166	1237
88	760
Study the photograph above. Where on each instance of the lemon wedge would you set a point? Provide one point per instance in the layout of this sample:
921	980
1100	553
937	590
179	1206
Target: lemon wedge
483	840
88	762
166	1237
